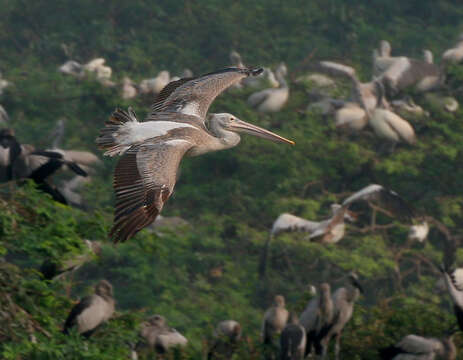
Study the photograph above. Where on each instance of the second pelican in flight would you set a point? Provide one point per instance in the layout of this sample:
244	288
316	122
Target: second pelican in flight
152	150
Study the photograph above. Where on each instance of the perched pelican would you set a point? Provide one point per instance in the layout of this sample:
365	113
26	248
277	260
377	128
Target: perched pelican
145	175
98	67
455	54
406	72
293	340
364	94
416	347
317	81
73	68
226	337
187	73
408	106
389	125
351	116
273	99
275	319
158	337
129	90
316	319
382	59
419	232
454	282
155	85
92	310
70	190
344	300
267	78
447	103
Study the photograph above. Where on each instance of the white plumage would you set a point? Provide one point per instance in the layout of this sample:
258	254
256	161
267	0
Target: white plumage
155	85
455	54
419	232
391	126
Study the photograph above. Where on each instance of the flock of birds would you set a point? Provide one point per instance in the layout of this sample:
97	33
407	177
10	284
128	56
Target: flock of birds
179	125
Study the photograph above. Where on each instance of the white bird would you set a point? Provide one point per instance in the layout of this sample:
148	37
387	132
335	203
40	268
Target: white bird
92	310
351	116
157	336
227	335
129	90
447	103
414	347
293	340
267	78
73	68
273	99
98	67
389	125
382	59
455	54
3	84
419	232
317	81
155	85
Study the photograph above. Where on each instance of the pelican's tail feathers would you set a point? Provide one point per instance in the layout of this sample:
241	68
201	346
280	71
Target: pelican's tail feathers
114	135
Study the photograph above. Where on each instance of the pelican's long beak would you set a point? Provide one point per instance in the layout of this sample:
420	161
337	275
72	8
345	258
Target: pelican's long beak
242	126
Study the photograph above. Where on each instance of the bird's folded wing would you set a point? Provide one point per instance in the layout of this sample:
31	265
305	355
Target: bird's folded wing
143	181
415	344
336	69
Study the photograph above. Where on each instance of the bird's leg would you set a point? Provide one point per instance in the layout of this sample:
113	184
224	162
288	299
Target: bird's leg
337	346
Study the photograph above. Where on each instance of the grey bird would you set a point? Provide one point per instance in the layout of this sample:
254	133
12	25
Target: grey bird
344	300
275	319
227	335
317	318
414	347
293	340
158	337
151	151
92	311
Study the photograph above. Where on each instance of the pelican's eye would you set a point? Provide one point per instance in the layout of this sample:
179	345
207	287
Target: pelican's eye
231	119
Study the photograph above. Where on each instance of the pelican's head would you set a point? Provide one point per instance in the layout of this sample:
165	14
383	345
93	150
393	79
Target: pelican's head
279	301
104	288
354	280
385	48
157	320
230	122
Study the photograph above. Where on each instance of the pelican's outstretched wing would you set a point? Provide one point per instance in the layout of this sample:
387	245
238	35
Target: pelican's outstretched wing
387	198
194	96
143	181
337	69
288	222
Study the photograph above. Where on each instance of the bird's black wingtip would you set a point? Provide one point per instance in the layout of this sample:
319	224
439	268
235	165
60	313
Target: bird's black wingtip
256	71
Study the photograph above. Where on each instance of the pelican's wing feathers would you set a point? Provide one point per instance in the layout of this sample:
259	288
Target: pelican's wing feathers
336	69
387	198
194	96
414	344
143	181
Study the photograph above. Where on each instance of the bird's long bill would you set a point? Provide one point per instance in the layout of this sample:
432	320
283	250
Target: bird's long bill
242	126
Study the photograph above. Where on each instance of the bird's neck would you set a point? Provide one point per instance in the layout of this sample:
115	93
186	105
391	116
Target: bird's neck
281	80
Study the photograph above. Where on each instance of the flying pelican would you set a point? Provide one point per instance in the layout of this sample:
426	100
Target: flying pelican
275	319
158	337
293	340
145	175
227	335
414	347
455	54
316	318
332	230
92	310
273	99
343	299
